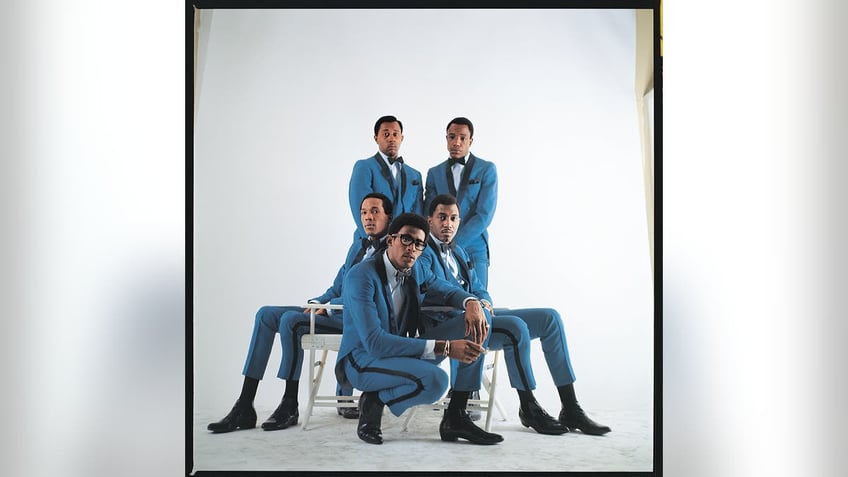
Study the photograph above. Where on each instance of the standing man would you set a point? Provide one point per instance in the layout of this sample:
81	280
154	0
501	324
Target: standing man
292	322
385	172
474	183
448	260
382	350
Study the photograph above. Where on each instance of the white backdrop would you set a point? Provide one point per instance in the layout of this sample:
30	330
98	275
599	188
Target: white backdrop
286	103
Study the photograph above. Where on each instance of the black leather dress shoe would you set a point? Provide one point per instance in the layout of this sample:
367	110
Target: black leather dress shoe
348	412
370	418
238	418
575	418
539	420
460	426
284	416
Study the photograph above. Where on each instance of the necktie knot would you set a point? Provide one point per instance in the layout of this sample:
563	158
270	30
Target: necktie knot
392	160
456	160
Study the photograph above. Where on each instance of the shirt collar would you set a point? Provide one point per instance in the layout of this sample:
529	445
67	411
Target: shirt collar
438	242
391	271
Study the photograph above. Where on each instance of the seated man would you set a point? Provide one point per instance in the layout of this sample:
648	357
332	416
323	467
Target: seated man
382	350
375	214
449	261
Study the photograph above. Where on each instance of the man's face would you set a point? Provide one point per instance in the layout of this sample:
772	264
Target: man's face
404	256
388	138
459	140
444	221
374	219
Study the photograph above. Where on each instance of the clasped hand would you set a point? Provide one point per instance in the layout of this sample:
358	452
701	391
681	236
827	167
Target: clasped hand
476	326
465	351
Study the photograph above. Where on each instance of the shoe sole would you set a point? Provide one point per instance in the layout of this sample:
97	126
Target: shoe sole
279	428
547	433
574	429
482	443
237	428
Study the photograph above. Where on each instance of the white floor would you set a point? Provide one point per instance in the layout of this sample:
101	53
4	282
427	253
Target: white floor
330	444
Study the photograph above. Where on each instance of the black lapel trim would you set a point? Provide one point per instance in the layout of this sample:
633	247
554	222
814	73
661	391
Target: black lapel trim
387	174
449	177
387	292
466	173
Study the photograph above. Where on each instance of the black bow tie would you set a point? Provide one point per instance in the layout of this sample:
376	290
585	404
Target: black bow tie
366	242
447	246
456	160
392	160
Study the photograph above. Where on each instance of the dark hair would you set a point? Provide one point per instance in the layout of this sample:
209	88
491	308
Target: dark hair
387	203
441	199
387	119
459	120
408	218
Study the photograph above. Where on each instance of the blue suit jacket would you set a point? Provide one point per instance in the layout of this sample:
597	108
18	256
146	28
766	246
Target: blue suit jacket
333	295
373	175
432	259
477	198
370	330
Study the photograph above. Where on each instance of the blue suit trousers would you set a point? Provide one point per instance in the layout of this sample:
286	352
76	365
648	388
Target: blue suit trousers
512	332
291	323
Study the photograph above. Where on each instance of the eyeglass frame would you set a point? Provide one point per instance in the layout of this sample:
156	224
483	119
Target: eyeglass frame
406	240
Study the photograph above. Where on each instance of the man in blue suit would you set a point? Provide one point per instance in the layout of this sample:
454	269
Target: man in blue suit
392	355
292	323
386	172
448	260
474	183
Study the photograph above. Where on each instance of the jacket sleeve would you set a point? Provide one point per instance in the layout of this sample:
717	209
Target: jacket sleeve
430	191
335	291
477	287
439	290
361	183
419	196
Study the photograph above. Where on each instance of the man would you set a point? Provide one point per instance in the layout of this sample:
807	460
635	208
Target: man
448	260
292	322
382	351
385	172
474	182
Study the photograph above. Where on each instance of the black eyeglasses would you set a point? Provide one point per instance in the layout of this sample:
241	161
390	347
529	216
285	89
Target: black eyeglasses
407	240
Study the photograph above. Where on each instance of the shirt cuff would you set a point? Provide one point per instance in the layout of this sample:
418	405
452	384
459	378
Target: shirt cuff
429	350
465	301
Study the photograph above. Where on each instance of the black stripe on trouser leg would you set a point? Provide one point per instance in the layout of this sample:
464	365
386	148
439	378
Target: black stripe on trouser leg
319	329
419	386
516	354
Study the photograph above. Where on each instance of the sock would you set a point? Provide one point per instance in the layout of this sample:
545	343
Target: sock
567	396
248	392
291	389
458	402
525	398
